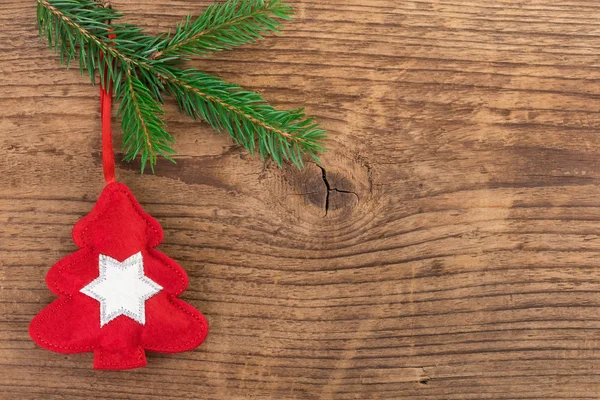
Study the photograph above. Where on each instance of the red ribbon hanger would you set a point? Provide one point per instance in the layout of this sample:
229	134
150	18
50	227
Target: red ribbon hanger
108	155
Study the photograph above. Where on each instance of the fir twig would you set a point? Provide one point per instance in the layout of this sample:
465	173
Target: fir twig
285	135
140	72
223	26
143	131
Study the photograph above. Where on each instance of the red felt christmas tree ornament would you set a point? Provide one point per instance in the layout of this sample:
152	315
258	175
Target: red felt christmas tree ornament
118	296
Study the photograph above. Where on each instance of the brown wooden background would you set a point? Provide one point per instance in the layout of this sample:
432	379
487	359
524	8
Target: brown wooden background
447	248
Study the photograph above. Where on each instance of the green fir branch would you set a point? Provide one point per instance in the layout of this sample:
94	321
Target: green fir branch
79	29
246	116
143	130
223	26
141	72
83	40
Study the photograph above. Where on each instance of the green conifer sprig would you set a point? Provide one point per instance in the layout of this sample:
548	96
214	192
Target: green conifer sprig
285	136
140	114
224	26
144	67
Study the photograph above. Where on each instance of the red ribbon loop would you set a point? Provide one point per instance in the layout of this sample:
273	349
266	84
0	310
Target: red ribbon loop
108	155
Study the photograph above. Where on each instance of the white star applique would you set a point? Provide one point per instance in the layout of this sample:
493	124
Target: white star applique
122	288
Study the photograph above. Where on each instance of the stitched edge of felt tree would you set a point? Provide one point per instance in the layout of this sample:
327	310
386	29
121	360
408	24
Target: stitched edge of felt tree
117	229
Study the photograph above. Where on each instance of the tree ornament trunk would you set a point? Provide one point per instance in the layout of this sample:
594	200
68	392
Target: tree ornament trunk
119	358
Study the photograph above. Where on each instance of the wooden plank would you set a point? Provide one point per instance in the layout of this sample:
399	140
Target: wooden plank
447	247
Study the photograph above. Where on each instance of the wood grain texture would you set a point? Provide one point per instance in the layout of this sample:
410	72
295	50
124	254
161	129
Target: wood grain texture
447	248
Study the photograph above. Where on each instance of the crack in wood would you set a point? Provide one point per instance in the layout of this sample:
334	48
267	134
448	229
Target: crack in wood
332	189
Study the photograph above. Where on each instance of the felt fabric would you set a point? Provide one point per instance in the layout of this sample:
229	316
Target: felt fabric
118	228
